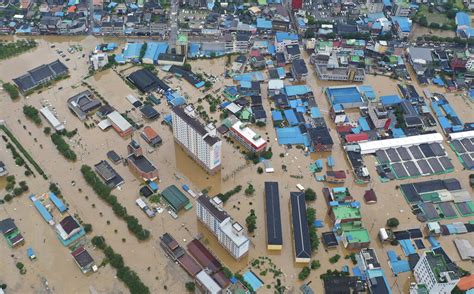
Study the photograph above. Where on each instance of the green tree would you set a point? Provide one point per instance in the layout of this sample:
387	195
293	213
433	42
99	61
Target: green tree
250	190
32	113
190	286
393	222
260	170
11	90
47	130
88	228
334	259
251	221
304	273
315	264
309	195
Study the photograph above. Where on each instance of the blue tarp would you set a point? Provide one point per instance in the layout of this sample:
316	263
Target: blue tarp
57	202
434	243
291	117
297	90
364	125
276	115
315	112
444	123
153	186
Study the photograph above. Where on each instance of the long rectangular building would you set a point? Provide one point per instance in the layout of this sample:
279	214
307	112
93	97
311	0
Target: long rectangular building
229	233
272	205
199	141
300	228
247	137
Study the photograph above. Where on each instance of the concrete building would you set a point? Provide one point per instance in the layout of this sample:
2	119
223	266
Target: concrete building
229	233
432	271
199	141
247	137
139	163
99	60
326	73
83	104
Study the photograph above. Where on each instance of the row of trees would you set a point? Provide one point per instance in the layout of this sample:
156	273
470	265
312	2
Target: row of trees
32	113
313	235
103	191
224	197
11	90
63	147
124	273
10	49
23	151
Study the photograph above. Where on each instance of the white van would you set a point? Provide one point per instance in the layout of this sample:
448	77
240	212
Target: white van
300	187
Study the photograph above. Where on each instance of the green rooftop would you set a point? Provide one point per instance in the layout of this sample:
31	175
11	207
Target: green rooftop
176	199
357	236
182	38
262	2
342	212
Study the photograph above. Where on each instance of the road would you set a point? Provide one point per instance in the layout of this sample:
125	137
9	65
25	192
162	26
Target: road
173	24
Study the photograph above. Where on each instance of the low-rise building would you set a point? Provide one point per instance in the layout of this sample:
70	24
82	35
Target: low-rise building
108	174
41	75
120	124
143	167
302	245
247	137
83	104
151	136
83	259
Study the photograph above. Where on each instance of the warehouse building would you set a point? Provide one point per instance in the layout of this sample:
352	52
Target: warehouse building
302	245
41	75
273	216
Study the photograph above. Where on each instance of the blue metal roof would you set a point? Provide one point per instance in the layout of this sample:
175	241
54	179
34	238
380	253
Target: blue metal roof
282	36
132	50
390	99
364	125
297	90
57	202
276	115
463	19
291	117
263	23
41	209
315	112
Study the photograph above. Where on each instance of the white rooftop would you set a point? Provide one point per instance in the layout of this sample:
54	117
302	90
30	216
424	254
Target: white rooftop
227	228
248	134
57	125
206	281
118	120
372	146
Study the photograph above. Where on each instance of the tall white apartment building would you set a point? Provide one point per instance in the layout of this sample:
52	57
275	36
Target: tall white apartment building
229	233
432	271
199	141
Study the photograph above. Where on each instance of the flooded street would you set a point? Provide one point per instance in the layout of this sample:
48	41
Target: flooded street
177	168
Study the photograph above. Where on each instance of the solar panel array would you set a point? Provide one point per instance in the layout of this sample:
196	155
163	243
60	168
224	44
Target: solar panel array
465	150
418	160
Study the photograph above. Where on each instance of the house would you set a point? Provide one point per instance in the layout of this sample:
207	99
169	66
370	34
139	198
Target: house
336	177
171	246
299	70
83	104
11	232
320	139
143	167
68	227
41	75
83	259
151	136
257	62
149	112
120	124
3	169
370	197
420	59
292	52
111	178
